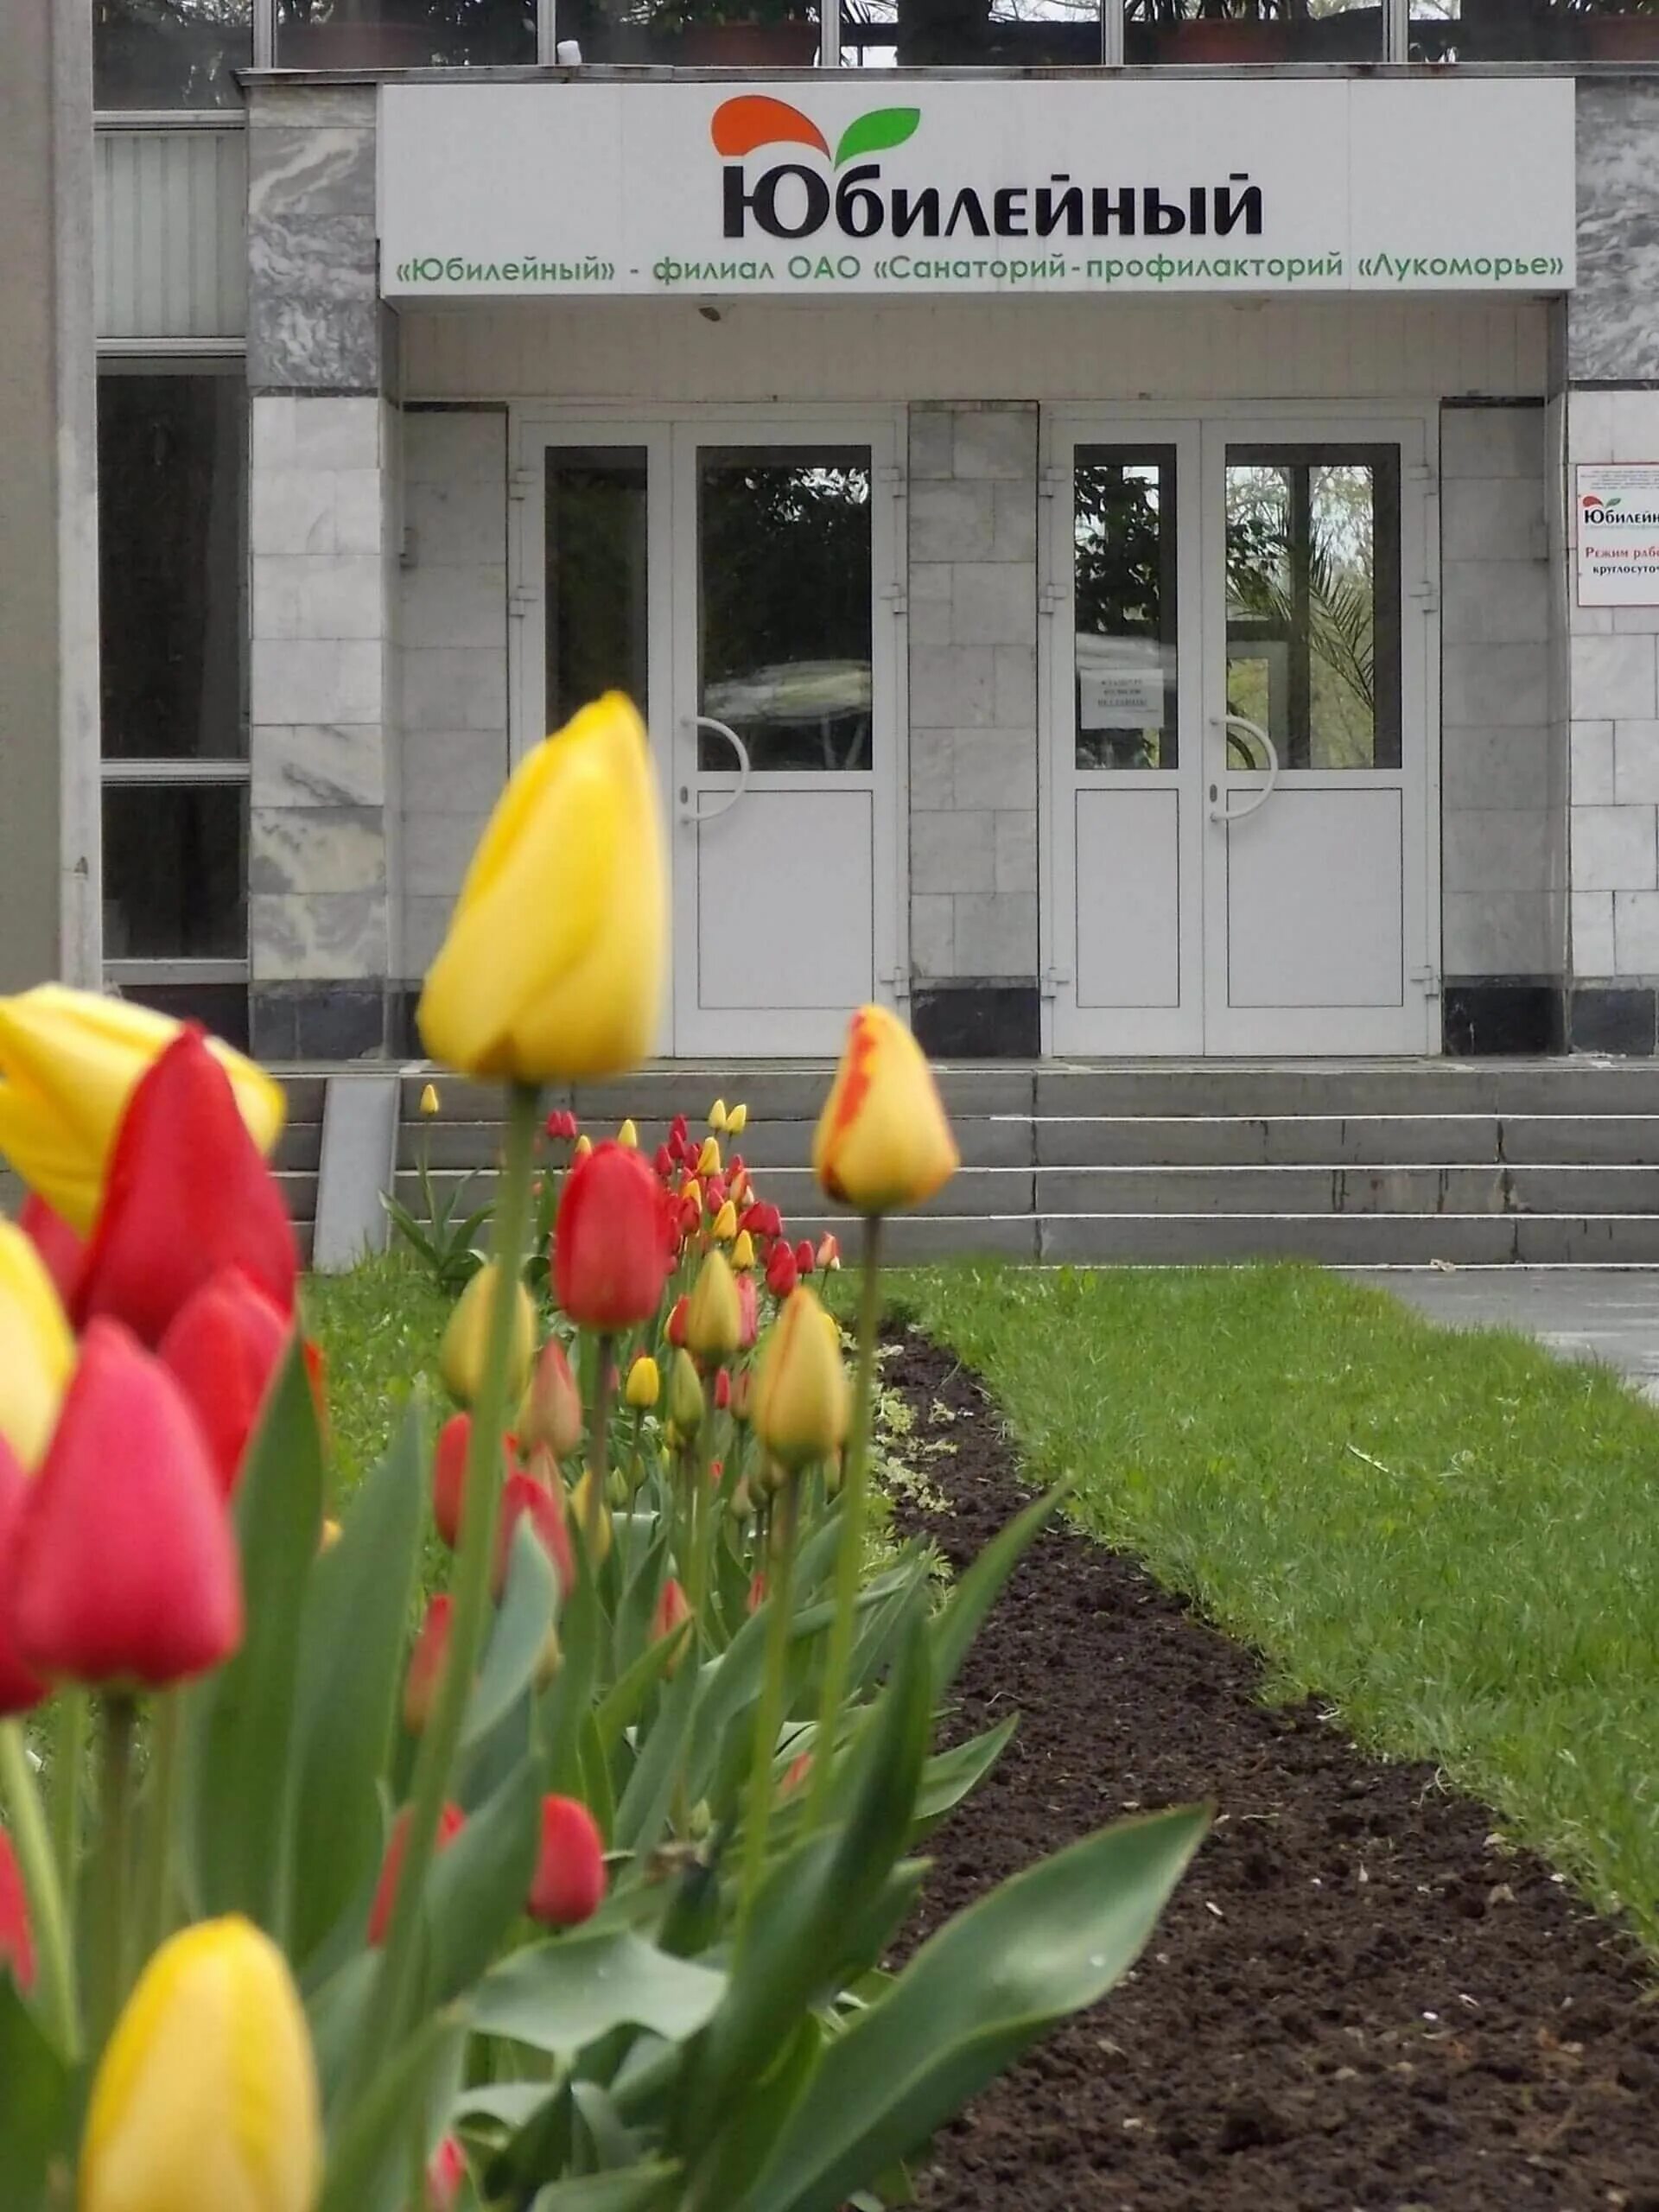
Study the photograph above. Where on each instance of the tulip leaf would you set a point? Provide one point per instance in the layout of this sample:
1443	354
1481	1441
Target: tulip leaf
477	1884
519	1637
976	1995
357	1610
634	2188
562	1995
953	1774
619	1708
367	2168
244	1715
959	1619
877	131
650	1788
581	1628
748	2130
34	2104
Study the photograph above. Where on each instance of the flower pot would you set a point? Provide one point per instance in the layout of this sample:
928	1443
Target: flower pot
1618	38
791	45
1232	39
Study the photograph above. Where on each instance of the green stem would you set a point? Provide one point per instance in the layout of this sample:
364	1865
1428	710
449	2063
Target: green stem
770	1717
155	1890
109	1963
69	1759
599	1445
384	2019
849	1557
701	1517
49	1921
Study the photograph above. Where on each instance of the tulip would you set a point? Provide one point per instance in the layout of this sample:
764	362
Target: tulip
663	1161
329	1536
723	1229
742	1250
207	2099
741	1390
187	1193
69	1062
588	1509
466	1337
628	1136
713	1324
678	1316
569	1883
124	1563
20	1688
551	1412
690	1194
722	1389
613	1244
828	1252
795	1774
451	1821
222	1346
761	1219
737	1121
749	1312
446	2169
426	1663
799	1409
714	1198
782	1271
37	1349
645	1384
431	1105
562	1126
685	1394
804	1262
583	1147
709	1158
544	989
449	1474
717	1114
522	1496
757	1596
62	1249
883	1142
670	1613
737	1186
16	1941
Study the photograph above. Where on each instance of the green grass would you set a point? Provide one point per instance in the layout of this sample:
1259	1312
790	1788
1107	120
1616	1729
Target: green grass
1452	1540
379	1328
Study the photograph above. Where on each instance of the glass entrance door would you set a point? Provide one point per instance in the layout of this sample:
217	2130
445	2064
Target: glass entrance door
736	578
1239	688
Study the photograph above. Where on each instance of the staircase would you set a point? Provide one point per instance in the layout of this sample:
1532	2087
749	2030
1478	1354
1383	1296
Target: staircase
1475	1163
298	1156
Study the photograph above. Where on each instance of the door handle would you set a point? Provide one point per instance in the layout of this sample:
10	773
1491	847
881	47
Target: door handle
691	808
1255	800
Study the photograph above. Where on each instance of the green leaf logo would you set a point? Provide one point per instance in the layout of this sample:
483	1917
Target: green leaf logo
883	127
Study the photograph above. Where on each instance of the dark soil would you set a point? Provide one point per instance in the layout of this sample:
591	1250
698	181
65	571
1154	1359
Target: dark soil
1356	2000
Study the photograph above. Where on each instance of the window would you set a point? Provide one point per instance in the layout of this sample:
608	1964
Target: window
170	54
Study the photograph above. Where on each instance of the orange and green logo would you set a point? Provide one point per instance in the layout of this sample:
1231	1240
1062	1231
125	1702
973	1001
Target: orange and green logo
742	126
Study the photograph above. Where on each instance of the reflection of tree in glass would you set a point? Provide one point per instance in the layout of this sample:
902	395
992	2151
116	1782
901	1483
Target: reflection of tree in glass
171	53
1124	589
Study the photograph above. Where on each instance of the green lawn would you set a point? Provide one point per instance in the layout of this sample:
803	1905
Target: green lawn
1452	1540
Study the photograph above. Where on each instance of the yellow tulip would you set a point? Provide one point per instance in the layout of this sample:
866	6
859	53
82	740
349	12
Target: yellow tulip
714	1318
460	1355
691	1189
69	1062
883	1142
430	1105
724	1224
743	1251
685	1394
717	1114
37	1349
628	1136
552	967
799	1410
206	2098
582	1146
588	1512
737	1121
709	1158
644	1383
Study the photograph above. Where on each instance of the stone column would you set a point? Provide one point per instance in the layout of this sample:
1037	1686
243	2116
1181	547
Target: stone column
324	536
973	727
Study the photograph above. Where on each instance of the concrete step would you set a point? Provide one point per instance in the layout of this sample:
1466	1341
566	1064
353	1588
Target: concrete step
1342	1139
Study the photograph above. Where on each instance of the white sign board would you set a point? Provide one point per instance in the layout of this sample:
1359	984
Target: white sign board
1618	518
893	184
1120	698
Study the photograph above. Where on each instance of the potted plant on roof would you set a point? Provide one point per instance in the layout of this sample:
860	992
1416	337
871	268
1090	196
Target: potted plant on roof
739	34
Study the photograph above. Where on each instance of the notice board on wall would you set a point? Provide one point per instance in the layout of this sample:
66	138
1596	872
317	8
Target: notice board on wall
1616	508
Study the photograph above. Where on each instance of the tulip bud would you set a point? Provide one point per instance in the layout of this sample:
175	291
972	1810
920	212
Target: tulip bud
222	1346
883	1141
20	1688
426	1664
62	1249
588	1510
679	1314
663	1161
449	1474
16	1942
446	2170
795	1775
800	1398
737	1121
714	1325
741	1391
829	1253
583	1146
549	1659
742	1249
645	1384
668	1616
466	1337
717	1114
551	1411
430	1107
740	1504
714	1194
724	1226
757	1596
628	1136
36	1350
722	1389
617	1492
522	1494
782	1272
684	1395
451	1821
690	1194
709	1158
125	1564
569	1884
749	1312
738	1186
804	1262
613	1242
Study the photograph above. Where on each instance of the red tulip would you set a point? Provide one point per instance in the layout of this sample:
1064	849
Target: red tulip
451	1821
187	1194
715	1193
741	1391
828	1250
222	1346
446	2169
795	1775
19	1689
679	1131
613	1241
568	1886
679	1314
562	1126
803	1260
688	1219
449	1474
16	1944
551	1412
524	1495
748	1311
61	1247
757	1590
722	1389
782	1270
426	1664
671	1609
124	1566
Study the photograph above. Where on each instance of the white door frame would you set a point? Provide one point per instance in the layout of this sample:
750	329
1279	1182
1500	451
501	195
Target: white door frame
1211	424
670	435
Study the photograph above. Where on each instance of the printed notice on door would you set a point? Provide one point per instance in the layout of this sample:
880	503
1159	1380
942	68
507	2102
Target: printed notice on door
1618	534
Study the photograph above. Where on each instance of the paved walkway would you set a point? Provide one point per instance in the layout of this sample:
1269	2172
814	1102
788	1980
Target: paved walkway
1578	1313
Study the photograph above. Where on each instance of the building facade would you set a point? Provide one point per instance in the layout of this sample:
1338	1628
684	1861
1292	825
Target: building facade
1119	557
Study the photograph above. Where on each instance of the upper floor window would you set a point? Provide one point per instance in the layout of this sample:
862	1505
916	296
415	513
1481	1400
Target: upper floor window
170	54
405	34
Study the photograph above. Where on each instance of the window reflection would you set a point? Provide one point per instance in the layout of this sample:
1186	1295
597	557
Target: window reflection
404	33
598	610
175	871
783	599
170	54
1124	589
